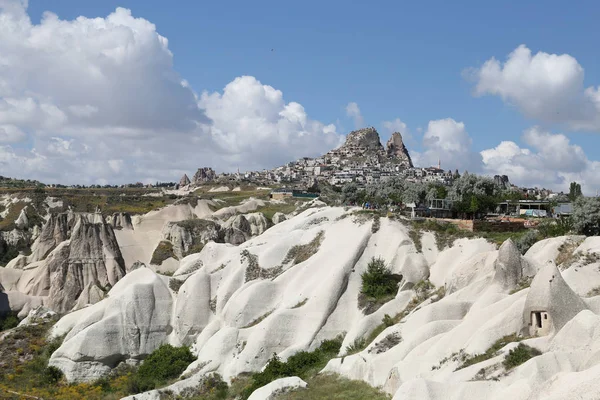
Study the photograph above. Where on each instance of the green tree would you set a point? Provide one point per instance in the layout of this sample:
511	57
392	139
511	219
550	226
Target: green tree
574	191
586	216
378	280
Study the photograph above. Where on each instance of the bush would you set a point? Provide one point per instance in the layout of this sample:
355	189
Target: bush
525	242
302	364
519	355
166	362
52	375
8	321
378	281
163	251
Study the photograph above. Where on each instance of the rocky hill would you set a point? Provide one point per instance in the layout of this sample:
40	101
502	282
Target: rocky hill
452	318
364	145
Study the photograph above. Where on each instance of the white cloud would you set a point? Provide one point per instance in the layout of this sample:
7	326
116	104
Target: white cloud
397	125
97	100
448	142
552	162
353	111
11	134
545	87
252	123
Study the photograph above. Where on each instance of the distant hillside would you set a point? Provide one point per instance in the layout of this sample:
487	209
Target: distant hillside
12	183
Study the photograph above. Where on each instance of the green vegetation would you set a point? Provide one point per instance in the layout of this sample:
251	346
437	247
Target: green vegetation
258	320
302	252
378	281
175	284
468	360
8	223
359	344
378	286
303	364
163	251
519	355
524	283
11	183
334	387
8	321
586	216
165	363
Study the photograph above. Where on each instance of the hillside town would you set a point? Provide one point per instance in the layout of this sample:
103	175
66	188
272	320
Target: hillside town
362	160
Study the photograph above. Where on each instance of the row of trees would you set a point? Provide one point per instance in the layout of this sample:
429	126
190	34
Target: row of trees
470	193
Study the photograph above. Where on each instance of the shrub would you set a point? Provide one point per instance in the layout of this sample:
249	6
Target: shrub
357	346
388	321
302	364
378	281
166	362
519	355
8	321
525	242
52	375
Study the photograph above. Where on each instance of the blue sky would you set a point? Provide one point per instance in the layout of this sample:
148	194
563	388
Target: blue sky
401	60
395	59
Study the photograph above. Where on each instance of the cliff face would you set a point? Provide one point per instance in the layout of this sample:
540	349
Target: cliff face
366	138
396	149
74	261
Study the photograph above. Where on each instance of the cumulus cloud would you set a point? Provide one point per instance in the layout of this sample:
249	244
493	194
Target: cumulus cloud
545	87
252	122
551	162
448	142
98	100
353	111
397	125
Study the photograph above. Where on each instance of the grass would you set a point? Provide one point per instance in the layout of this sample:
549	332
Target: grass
359	344
258	320
519	355
566	252
302	252
8	321
175	284
524	283
334	387
163	251
594	292
300	304
491	352
14	209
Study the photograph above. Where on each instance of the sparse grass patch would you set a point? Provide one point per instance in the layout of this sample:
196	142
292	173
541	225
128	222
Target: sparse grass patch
302	252
254	271
258	320
519	355
334	387
594	292
175	284
492	352
566	252
301	303
357	346
524	283
163	251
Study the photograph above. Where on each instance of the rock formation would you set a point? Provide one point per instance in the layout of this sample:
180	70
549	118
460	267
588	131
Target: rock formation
189	236
240	228
550	303
364	145
121	221
204	175
127	326
502	181
184	181
74	261
396	149
366	138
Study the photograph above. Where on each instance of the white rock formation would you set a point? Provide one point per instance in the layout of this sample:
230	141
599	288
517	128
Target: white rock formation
240	304
132	322
268	392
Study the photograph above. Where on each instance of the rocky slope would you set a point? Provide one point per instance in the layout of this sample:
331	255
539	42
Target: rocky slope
291	287
243	289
